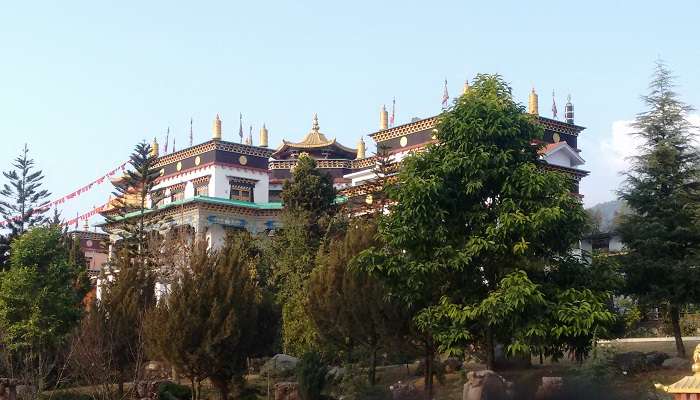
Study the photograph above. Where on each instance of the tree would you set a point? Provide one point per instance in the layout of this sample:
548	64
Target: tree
307	220
206	324
40	302
343	318
471	217
23	201
662	232
126	295
130	205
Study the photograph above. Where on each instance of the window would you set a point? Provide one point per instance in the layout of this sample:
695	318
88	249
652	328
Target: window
242	194
241	189
177	195
275	196
201	190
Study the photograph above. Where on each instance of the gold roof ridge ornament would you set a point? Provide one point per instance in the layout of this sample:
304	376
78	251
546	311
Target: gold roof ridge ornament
688	384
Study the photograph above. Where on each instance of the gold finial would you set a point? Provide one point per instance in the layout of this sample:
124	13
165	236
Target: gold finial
263	136
466	86
361	150
154	148
533	103
383	118
216	129
314	126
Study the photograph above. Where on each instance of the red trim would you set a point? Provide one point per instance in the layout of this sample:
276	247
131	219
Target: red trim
199	168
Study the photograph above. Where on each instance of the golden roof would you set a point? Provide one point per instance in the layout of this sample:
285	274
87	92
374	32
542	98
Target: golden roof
687	384
313	140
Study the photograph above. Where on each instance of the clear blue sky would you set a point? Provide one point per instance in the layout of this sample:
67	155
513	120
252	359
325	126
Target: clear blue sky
81	82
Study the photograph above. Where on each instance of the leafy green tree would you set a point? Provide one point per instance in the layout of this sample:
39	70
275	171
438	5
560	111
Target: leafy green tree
341	316
206	325
309	200
23	201
472	216
311	374
40	301
662	232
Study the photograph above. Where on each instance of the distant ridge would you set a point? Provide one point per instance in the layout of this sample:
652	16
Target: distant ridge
605	214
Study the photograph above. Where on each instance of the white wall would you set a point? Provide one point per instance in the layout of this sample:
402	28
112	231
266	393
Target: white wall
221	187
559	158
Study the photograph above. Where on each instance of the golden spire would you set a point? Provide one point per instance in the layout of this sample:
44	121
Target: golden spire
466	86
533	104
216	129
361	150
314	126
263	136
154	148
383	118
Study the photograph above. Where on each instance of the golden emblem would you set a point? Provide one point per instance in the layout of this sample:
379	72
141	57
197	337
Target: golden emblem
404	141
243	160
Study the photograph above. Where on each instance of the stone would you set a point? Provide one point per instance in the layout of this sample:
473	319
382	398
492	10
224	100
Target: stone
279	365
404	391
452	364
486	385
335	374
631	361
655	358
287	391
676	363
551	386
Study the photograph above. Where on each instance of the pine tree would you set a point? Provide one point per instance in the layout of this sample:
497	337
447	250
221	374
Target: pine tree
23	201
307	219
662	232
206	325
132	193
342	318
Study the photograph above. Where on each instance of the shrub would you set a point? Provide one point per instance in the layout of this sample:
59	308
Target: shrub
311	375
173	391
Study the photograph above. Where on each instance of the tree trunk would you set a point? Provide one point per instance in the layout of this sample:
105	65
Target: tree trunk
677	334
373	368
120	385
490	350
222	386
428	370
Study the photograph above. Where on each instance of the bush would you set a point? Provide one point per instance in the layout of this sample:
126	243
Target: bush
66	395
311	375
173	391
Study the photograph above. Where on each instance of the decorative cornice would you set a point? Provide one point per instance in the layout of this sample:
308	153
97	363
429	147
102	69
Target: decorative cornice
322	163
405	129
430	123
205	147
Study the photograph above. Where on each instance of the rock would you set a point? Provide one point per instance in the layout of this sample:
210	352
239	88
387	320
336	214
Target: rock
631	361
404	391
655	358
452	364
438	367
676	363
551	386
486	385
287	391
279	365
335	374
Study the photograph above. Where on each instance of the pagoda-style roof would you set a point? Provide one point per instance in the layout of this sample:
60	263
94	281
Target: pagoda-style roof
315	143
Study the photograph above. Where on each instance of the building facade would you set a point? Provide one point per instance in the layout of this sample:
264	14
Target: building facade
220	186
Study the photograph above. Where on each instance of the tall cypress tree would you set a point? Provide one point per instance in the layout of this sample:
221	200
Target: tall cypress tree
22	200
662	233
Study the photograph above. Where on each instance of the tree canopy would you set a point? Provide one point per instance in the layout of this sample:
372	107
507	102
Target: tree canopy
662	232
476	222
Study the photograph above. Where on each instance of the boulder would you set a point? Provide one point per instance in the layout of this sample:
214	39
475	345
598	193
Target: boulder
452	364
676	363
335	374
279	365
287	391
551	386
631	361
486	385
404	391
655	358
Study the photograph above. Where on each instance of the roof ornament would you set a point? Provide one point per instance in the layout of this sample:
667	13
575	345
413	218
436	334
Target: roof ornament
466	86
314	126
